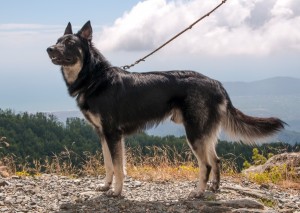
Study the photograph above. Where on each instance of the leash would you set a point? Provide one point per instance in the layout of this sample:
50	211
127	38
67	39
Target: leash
125	67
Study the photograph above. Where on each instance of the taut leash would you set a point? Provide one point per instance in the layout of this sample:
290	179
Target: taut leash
173	38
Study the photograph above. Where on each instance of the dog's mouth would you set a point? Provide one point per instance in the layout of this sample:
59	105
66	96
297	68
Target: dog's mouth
57	58
60	61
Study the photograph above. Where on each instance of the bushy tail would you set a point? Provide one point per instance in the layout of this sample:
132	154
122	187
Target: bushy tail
247	128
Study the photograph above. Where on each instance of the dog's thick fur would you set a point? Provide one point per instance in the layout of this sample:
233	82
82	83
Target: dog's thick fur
118	103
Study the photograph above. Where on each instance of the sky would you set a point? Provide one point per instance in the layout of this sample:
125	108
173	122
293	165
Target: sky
244	40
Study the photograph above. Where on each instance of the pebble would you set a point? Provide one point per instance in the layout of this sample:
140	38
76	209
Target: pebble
53	193
3	183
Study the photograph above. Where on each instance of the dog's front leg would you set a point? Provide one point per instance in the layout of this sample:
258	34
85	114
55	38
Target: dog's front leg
109	169
116	148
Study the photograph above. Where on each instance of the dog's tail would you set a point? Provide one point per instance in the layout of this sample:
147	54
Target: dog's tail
247	128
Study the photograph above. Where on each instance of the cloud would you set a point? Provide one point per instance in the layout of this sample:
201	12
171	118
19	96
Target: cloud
14	27
250	27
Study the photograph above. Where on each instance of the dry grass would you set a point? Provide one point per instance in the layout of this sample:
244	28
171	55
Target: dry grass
158	164
148	164
161	164
168	164
288	184
280	175
163	172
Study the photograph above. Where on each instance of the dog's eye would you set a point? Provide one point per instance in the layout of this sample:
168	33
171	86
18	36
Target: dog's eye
70	43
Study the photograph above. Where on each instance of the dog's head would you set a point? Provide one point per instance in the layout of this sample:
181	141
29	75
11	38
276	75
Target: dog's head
69	49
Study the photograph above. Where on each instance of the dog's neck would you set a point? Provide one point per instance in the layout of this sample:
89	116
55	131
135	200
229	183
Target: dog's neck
77	76
71	72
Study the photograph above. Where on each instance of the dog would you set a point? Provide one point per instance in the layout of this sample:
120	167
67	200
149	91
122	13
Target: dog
118	103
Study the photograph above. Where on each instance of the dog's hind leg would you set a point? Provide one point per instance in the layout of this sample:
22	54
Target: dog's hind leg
202	142
116	148
212	156
205	169
203	148
214	161
199	148
109	169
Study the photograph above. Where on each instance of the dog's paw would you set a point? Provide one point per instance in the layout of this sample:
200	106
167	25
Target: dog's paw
112	193
102	188
214	186
196	194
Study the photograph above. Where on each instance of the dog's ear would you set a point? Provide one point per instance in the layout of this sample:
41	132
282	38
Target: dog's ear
68	29
86	31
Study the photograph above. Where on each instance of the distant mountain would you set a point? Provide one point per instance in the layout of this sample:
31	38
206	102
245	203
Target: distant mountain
279	96
290	137
169	128
276	86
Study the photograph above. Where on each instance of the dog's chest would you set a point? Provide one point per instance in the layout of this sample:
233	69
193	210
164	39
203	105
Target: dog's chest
92	117
71	72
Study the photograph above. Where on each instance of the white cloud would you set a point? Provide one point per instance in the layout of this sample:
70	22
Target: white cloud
254	27
14	26
282	8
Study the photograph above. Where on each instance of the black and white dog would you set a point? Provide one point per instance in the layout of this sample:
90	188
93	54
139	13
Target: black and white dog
118	103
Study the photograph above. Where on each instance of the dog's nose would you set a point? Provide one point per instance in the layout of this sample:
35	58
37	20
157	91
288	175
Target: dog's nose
50	49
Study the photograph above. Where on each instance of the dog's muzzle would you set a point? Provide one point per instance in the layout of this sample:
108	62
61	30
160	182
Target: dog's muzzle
52	52
57	57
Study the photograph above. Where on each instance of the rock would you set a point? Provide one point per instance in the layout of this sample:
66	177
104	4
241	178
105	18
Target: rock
243	203
253	211
197	204
4	183
9	200
3	172
264	186
225	205
132	184
209	196
253	169
286	211
65	193
3	168
4	209
137	183
77	181
19	185
254	193
88	193
287	159
66	206
208	209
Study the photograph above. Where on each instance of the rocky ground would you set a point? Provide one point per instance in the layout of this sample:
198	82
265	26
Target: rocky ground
52	193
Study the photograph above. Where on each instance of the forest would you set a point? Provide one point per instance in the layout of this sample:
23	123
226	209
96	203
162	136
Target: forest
37	136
